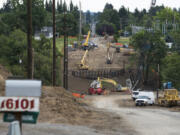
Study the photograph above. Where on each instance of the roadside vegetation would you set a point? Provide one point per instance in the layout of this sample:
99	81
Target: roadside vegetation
159	25
13	39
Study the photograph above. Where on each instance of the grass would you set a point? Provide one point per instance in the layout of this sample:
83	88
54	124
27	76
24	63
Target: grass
60	42
124	40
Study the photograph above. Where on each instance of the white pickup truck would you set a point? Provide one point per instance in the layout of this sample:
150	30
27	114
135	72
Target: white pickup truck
143	101
143	98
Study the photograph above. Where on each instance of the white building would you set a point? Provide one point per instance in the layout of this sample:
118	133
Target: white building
46	31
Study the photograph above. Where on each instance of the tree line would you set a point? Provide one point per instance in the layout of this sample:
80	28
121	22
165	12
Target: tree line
112	21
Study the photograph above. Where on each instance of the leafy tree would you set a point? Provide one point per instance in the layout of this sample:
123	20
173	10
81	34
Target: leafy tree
171	71
105	27
14	47
4	29
49	6
139	16
17	17
152	50
85	29
108	6
154	10
7	6
71	24
88	17
167	14
109	20
175	36
124	15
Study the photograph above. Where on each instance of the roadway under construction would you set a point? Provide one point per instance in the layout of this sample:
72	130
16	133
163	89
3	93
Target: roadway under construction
96	60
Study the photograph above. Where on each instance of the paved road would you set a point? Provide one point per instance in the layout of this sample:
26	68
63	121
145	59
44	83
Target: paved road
145	121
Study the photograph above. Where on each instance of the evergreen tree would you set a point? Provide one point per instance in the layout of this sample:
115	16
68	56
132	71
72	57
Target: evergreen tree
60	7
64	6
71	6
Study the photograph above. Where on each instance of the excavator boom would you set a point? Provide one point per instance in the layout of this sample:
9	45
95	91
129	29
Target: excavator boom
82	65
107	80
87	39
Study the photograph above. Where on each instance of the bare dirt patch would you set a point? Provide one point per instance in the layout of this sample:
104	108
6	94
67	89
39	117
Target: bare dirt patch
96	59
59	106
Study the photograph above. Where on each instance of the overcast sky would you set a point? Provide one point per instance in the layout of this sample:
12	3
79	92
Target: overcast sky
98	5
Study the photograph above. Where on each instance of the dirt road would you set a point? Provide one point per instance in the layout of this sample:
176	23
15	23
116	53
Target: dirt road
51	129
146	121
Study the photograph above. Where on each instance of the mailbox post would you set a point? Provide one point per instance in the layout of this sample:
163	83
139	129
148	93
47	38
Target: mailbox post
21	101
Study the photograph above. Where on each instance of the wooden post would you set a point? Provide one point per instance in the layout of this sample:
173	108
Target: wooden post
18	117
158	84
54	45
32	63
65	74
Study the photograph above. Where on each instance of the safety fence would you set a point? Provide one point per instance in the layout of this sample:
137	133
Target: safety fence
92	74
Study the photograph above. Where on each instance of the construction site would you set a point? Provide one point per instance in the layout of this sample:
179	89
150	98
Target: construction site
111	82
95	104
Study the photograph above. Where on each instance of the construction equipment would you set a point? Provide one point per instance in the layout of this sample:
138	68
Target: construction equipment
85	44
96	87
170	98
153	3
82	65
109	58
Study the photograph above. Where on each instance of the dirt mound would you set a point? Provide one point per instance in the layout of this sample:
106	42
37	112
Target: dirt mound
59	106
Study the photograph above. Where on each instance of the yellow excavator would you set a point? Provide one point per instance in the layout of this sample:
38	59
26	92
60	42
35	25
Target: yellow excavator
82	65
85	44
109	57
96	87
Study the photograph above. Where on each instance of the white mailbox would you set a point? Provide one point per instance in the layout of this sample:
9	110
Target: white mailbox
23	88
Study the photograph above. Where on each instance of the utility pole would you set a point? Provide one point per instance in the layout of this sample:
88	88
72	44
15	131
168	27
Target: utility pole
65	78
54	45
158	82
29	39
80	22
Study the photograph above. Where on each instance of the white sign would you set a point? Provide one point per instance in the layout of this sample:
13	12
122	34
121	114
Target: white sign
19	104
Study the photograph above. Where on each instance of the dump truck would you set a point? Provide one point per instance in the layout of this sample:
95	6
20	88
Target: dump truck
170	98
